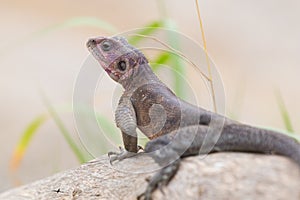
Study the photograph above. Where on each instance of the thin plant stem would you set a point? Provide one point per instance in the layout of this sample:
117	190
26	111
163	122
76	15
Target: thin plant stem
207	58
174	50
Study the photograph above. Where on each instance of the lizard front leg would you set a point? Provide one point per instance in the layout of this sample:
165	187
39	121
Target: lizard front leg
126	120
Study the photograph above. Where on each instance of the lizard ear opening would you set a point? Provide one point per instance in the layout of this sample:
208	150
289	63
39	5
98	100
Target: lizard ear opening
122	65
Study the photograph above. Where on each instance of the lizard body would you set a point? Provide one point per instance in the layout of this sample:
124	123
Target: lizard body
175	128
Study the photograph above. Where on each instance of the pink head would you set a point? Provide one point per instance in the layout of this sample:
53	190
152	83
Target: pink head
116	56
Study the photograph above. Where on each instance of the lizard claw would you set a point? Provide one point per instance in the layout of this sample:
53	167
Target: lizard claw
113	156
116	153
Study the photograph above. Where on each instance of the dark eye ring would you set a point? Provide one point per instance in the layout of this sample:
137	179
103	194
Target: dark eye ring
105	46
122	65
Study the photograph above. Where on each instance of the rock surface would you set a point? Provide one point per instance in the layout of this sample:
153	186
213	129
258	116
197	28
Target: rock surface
216	176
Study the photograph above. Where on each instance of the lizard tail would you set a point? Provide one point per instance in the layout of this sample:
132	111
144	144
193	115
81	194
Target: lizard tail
237	137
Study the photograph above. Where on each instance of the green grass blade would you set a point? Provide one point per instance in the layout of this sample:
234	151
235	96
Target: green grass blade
148	30
109	128
70	23
77	22
26	138
161	59
284	113
176	61
76	150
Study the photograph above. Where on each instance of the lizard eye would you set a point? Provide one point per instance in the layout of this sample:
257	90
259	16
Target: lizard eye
105	46
122	65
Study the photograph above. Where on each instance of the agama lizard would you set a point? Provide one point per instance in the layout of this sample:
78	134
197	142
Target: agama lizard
175	128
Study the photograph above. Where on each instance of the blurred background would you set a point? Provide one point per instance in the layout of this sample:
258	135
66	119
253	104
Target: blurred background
255	45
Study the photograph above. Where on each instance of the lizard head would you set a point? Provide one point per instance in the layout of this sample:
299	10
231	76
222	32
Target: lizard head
116	56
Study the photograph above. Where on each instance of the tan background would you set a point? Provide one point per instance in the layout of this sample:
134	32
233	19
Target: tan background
255	45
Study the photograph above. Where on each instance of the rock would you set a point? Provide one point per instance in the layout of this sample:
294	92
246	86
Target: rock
216	176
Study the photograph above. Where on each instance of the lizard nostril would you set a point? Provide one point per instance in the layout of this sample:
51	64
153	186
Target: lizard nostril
91	43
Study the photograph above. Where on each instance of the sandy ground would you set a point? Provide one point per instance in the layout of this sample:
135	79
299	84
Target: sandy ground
255	45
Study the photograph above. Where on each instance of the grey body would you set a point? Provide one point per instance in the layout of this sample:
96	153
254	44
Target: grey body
176	128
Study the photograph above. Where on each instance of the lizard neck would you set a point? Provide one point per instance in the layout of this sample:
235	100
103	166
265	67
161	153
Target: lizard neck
141	74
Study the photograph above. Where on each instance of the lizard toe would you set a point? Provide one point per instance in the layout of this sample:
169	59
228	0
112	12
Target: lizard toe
123	154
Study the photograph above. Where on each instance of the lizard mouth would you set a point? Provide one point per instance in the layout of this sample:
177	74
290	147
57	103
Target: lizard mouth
99	57
108	70
113	74
95	52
